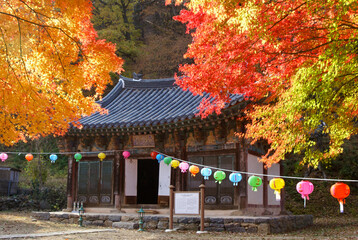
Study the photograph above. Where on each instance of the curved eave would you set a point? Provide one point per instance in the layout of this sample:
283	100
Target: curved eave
184	122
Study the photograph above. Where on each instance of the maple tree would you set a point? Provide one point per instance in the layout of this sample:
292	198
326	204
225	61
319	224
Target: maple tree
49	54
298	59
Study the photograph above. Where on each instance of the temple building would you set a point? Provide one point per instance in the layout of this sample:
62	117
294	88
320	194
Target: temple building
157	115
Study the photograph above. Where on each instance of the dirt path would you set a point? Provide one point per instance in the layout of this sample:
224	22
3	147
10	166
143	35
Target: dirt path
22	223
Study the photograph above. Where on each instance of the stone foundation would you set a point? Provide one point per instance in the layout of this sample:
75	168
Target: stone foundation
263	225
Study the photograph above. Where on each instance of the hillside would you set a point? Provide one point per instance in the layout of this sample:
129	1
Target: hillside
147	37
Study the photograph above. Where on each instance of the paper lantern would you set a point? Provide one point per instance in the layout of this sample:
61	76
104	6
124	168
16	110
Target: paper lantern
101	156
219	176
167	160
3	156
340	191
194	170
53	158
78	157
254	182
126	154
304	188
235	178
206	172
159	157
174	163
154	155
29	157
184	166
277	184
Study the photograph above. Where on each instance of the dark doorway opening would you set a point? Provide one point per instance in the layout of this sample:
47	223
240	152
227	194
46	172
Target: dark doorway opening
148	178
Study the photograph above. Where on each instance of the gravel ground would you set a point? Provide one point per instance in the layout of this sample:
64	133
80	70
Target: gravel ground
21	223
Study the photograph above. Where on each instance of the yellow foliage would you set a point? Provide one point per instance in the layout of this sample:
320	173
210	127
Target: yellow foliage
49	53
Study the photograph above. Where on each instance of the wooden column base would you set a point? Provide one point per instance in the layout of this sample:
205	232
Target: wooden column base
117	201
69	204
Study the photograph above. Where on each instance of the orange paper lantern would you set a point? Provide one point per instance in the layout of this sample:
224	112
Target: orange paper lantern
340	191
194	170
29	157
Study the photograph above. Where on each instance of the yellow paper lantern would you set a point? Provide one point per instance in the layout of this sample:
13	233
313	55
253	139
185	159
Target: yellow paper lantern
101	156
277	184
175	163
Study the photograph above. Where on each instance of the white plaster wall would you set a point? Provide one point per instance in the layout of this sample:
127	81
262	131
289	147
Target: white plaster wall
130	174
254	166
164	179
271	197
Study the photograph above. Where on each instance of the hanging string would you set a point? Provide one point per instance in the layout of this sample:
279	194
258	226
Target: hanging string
63	153
201	165
261	174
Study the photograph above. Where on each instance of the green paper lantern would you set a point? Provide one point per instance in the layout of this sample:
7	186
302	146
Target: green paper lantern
254	182
167	160
219	176
78	157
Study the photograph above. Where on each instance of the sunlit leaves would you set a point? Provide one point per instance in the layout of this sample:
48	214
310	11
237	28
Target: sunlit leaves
301	56
49	53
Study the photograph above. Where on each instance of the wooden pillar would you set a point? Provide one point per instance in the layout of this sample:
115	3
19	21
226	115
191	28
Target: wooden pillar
118	171
116	185
70	144
70	184
121	179
237	167
74	179
184	177
265	190
283	193
180	152
243	156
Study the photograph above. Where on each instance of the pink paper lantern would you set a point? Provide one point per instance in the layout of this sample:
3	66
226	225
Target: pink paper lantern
305	188
184	167
126	154
3	157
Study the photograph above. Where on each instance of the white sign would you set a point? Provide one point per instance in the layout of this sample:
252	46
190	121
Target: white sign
186	202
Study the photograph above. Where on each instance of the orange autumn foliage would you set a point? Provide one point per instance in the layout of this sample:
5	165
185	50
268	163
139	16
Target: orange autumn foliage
296	61
49	54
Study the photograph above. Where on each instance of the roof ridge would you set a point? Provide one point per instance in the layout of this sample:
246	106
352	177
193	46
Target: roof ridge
147	80
148	83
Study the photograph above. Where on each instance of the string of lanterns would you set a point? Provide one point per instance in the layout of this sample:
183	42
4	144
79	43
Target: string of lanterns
339	190
53	157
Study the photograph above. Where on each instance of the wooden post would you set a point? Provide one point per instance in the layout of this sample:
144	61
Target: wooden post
171	206
202	204
171	209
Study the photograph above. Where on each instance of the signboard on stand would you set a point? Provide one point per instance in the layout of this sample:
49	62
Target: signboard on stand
186	203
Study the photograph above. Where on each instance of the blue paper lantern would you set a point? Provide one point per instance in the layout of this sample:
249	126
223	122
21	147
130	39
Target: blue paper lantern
206	172
235	178
53	158
159	157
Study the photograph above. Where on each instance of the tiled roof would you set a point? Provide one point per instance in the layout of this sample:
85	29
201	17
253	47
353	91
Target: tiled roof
150	102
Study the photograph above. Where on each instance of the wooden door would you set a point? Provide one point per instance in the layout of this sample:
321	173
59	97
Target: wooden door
95	183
